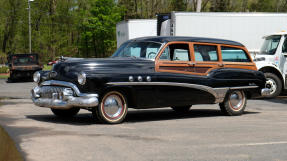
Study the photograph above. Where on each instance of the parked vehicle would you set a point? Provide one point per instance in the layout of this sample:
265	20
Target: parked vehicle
130	29
272	61
23	65
243	27
150	72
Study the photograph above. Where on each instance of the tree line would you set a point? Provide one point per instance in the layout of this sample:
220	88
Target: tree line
86	28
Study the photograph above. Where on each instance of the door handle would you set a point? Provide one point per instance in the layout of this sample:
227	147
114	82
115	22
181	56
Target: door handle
191	64
221	65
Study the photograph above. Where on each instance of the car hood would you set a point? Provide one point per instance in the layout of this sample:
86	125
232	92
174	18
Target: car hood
92	67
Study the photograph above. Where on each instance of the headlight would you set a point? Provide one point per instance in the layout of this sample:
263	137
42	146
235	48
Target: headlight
37	77
82	78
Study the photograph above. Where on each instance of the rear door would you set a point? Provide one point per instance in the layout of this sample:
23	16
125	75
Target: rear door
175	58
206	58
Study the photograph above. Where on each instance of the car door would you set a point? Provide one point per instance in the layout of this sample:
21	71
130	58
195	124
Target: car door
172	65
206	58
175	58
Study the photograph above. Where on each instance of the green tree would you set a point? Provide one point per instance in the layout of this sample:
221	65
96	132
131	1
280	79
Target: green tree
98	37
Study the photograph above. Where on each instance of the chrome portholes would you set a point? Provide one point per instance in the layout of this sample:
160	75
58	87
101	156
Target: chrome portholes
236	100
139	79
148	78
113	106
131	78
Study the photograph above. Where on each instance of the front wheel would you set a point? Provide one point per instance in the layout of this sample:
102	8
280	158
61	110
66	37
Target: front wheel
234	103
65	113
273	83
112	109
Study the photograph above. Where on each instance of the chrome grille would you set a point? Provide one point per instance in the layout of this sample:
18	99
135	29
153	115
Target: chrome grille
47	91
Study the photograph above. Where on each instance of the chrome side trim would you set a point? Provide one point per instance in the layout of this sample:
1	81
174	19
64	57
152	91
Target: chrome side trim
244	87
67	84
218	93
196	86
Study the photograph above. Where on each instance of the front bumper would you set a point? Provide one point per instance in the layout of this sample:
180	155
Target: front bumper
62	95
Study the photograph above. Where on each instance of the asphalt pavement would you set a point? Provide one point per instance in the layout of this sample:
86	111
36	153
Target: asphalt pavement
203	134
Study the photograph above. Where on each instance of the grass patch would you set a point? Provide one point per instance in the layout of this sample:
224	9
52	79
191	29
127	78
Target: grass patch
4	76
47	67
8	148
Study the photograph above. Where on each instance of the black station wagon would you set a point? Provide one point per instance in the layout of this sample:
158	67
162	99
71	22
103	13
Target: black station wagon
152	72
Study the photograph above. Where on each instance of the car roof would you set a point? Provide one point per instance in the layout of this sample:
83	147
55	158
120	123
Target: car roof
164	39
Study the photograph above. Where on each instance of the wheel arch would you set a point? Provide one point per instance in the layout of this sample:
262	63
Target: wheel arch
270	69
126	91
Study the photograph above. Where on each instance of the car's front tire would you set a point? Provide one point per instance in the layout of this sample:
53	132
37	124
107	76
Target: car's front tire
112	108
234	103
65	113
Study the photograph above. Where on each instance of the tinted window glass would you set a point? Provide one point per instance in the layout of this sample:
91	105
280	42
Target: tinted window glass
284	47
176	52
205	53
234	54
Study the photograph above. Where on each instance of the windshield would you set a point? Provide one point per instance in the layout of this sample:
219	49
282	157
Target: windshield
24	60
145	50
270	45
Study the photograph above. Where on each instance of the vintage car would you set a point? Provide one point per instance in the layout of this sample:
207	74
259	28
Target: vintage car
152	72
23	66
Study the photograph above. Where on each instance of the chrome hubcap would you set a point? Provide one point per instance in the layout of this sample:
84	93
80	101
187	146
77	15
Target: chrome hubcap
236	100
271	84
113	106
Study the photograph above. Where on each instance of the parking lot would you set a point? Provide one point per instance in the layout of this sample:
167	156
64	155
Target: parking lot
156	134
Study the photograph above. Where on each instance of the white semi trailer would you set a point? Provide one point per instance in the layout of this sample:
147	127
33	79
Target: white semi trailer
247	28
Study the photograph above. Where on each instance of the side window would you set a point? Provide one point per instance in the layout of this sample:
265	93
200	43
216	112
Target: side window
165	55
205	52
176	52
234	54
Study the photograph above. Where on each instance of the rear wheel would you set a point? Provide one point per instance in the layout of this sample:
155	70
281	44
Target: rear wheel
65	113
112	109
273	83
234	103
181	108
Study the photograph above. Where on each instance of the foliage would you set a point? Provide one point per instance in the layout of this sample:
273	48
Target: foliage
86	28
4	69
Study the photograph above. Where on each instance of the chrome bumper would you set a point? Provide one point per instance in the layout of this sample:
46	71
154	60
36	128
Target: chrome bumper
265	91
62	95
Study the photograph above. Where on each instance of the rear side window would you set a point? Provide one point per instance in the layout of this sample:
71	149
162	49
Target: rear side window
205	52
231	54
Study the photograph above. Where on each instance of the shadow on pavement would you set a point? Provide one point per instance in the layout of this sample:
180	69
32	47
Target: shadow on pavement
279	99
24	80
134	116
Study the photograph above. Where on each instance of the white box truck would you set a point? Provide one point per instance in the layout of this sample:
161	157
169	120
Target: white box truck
247	28
131	29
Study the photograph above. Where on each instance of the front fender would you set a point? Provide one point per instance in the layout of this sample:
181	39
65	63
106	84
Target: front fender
261	65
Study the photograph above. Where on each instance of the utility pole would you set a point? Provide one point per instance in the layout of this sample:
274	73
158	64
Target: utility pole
198	6
30	31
